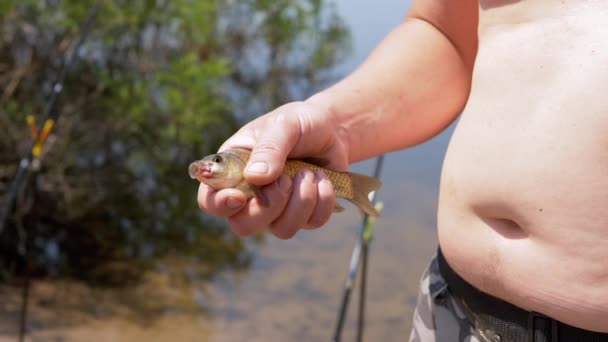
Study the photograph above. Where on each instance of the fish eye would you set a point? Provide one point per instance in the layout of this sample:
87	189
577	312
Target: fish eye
217	159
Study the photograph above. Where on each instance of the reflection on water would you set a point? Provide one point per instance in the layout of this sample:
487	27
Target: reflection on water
292	289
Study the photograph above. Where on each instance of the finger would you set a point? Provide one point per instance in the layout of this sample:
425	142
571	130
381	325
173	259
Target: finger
254	216
326	201
299	208
268	156
223	203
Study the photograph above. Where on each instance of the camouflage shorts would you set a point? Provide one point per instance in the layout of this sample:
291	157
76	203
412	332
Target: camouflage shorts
439	316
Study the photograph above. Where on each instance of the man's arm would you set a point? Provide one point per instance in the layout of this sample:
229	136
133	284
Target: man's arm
408	90
413	84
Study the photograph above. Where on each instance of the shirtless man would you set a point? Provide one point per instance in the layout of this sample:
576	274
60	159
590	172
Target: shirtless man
523	209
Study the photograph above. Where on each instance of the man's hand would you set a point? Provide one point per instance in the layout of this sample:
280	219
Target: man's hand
295	130
412	86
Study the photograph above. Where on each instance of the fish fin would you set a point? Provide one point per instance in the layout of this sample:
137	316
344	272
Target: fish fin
338	208
362	186
251	190
257	191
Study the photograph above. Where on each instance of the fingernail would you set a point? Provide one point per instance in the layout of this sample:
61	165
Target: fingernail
285	184
234	203
309	176
258	167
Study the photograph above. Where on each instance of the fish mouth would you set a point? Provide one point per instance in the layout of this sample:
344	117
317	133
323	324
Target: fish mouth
199	169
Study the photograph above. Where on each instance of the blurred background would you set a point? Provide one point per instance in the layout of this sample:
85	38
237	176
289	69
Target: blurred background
104	239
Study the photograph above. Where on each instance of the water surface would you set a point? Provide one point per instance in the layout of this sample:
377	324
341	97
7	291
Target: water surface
293	289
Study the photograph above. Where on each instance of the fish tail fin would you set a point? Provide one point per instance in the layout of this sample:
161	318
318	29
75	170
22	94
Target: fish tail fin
362	186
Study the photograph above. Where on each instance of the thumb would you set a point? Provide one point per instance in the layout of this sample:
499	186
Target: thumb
268	155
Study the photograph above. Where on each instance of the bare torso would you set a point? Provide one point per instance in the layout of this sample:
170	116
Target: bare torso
524	195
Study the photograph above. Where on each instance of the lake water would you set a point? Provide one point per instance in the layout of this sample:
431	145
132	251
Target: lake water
293	290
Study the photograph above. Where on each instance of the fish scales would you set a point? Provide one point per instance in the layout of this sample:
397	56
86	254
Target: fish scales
341	182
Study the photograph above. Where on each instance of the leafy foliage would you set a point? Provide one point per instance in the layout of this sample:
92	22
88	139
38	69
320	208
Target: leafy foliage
158	83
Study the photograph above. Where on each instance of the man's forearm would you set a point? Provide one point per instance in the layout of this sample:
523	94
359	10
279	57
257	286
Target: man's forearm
408	90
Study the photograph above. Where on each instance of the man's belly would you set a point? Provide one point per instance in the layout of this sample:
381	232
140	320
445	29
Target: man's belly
524	195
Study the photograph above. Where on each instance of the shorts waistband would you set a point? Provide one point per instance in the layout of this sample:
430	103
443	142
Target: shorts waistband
510	322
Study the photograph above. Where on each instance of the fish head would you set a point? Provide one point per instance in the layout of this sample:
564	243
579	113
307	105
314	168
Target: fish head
218	170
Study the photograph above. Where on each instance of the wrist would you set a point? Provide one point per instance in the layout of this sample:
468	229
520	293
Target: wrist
334	121
324	103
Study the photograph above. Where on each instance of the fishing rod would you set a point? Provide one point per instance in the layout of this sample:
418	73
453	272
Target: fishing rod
25	167
49	119
360	254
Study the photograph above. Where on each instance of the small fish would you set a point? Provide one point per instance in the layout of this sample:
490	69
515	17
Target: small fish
225	170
